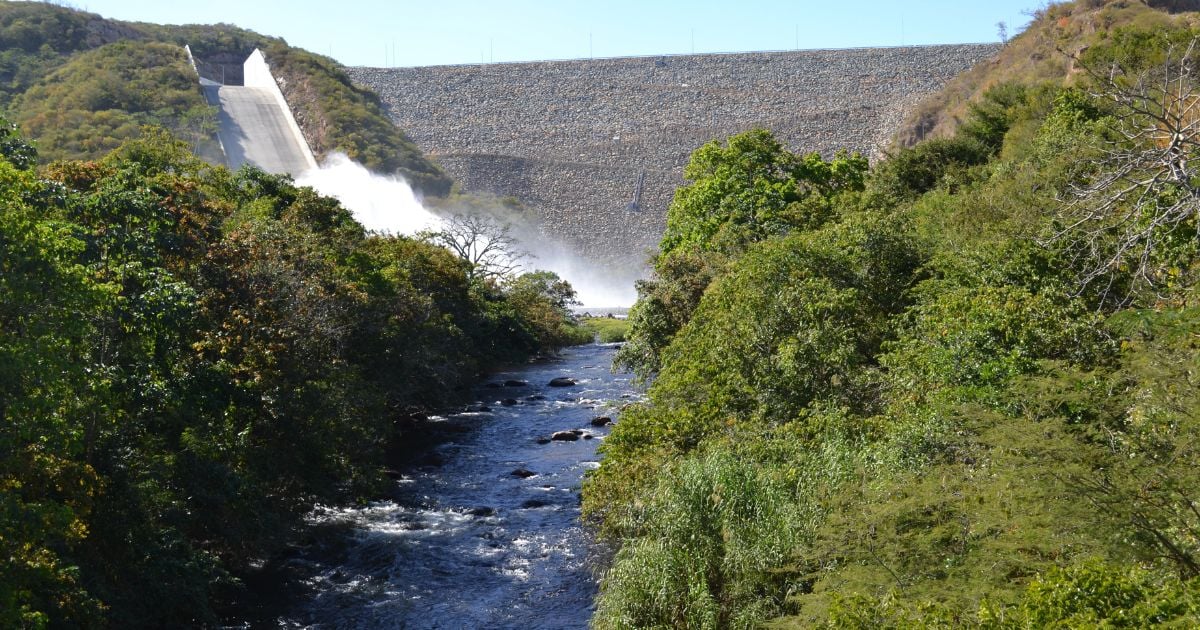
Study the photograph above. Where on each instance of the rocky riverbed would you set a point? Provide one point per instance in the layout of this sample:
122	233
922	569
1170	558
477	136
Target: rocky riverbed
482	530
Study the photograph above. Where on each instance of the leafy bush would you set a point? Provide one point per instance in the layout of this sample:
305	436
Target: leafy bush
746	191
1097	595
913	172
103	97
1086	595
607	329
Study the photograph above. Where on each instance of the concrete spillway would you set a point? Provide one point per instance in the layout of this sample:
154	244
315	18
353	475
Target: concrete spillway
255	124
253	129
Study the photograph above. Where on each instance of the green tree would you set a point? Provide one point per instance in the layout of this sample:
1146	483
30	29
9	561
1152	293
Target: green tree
747	190
752	188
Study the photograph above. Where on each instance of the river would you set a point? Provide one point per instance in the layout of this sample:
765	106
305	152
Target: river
483	531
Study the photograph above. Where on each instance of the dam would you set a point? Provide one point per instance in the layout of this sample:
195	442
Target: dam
596	147
254	123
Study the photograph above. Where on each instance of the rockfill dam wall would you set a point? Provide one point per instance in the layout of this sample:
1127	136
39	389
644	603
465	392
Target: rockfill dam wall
572	139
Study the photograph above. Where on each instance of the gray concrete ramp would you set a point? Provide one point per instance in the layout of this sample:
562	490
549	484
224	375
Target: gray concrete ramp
253	128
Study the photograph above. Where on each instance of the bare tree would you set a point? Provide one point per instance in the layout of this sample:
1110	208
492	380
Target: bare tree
484	243
1143	187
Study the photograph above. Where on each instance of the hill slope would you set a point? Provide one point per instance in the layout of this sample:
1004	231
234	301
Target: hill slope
1043	52
80	84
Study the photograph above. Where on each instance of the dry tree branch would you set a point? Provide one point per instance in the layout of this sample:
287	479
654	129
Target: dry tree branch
488	248
1143	187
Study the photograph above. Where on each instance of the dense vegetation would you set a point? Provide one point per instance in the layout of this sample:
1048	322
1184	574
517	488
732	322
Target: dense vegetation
190	358
1037	55
606	329
903	396
100	98
79	85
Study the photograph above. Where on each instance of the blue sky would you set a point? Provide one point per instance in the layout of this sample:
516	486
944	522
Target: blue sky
434	32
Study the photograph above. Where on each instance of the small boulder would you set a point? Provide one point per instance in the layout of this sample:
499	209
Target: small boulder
587	436
523	473
482	510
562	381
564	436
484	408
508	402
534	503
516	383
601	421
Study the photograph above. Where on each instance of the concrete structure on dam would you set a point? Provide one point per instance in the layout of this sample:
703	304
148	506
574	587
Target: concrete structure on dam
254	123
579	141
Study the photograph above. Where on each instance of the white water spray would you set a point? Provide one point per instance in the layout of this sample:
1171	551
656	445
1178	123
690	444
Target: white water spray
388	205
596	286
382	204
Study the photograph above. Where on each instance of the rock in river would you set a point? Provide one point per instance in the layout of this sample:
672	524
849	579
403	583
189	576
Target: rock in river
565	436
562	381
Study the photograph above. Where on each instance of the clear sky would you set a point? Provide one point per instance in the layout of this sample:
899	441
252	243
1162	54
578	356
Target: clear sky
434	32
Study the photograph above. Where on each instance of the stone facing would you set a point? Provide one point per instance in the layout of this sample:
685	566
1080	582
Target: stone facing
570	138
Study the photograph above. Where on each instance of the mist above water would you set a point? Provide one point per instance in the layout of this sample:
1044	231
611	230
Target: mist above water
388	205
597	286
382	204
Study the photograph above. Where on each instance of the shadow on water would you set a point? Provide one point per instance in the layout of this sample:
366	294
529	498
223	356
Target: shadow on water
483	530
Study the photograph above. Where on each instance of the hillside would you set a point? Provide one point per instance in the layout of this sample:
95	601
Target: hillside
954	389
79	85
1042	53
99	98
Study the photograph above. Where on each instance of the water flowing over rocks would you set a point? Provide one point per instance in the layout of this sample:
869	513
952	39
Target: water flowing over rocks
482	531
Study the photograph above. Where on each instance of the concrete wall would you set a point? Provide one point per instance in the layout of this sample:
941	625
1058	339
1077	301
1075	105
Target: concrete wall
257	74
570	138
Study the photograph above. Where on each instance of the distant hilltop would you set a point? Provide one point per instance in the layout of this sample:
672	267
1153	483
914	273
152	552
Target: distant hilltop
77	84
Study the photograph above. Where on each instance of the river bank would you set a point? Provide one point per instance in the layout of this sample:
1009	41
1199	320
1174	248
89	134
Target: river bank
481	528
